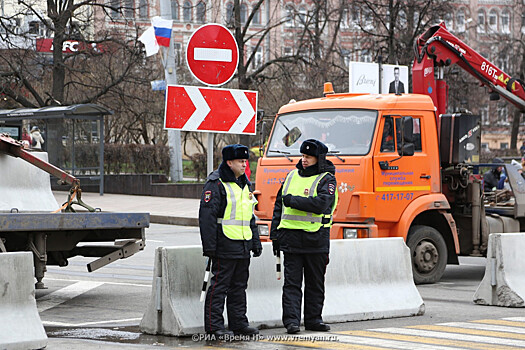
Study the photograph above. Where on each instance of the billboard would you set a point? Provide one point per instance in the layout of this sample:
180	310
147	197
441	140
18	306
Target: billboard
364	78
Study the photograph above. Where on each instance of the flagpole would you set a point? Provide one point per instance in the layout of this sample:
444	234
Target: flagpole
170	74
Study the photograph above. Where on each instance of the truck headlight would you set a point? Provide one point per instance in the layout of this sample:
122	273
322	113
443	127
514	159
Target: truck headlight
263	230
349	233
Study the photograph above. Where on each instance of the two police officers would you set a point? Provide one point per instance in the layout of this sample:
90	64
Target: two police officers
228	233
300	228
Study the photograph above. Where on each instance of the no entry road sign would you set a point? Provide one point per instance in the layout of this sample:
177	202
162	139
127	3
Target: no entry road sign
212	54
192	108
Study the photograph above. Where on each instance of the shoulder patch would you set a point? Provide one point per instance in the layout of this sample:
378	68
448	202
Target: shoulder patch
207	196
331	188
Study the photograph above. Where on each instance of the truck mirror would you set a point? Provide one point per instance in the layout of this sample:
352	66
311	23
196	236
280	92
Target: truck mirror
292	136
407	125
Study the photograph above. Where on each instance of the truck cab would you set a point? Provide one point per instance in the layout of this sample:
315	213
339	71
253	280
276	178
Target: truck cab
386	153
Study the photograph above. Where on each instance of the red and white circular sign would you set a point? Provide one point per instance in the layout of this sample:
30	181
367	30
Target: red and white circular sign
212	54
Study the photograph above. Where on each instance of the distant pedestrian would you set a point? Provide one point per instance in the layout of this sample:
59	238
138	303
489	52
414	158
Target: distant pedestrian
492	177
26	138
301	223
522	149
228	234
36	138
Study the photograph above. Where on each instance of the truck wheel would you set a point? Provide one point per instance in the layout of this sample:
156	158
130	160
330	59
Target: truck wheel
429	254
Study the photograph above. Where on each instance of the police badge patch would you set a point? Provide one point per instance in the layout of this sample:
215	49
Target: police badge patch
306	191
207	196
331	188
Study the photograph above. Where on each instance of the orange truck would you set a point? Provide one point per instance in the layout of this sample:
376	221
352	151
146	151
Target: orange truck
394	179
402	169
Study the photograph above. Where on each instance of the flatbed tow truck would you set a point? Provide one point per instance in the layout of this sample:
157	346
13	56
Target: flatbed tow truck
54	237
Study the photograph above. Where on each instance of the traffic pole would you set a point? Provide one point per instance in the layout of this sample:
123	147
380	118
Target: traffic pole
278	265
206	279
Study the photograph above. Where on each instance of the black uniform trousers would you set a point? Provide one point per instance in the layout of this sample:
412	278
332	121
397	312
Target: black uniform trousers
229	281
314	268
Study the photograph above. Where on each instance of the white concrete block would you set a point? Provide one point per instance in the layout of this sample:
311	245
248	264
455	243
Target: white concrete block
24	186
20	324
504	281
365	279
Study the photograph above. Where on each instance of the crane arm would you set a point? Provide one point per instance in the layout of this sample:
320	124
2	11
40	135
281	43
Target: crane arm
437	48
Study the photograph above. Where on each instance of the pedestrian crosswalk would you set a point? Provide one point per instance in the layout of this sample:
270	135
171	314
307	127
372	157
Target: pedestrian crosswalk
487	334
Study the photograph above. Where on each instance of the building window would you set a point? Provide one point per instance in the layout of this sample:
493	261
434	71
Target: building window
504	145
115	8
201	12
143	9
186	11
505	22
402	16
174	10
33	27
177	47
288	51
289	14
366	56
481	22
303	16
493	20
484	111
229	14
368	17
129	10
345	19
257	17
448	21
257	58
485	146
523	22
503	117
460	21
244	13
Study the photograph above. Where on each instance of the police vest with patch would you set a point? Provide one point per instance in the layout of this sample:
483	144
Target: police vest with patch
296	219
238	212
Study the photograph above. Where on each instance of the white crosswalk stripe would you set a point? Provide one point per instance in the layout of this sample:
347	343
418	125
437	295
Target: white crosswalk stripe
485	327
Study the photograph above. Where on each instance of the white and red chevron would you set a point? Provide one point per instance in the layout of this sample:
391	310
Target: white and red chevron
192	108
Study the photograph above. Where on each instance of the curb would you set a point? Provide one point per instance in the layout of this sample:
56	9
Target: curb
173	220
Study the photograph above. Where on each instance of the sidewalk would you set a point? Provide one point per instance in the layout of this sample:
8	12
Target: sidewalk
163	210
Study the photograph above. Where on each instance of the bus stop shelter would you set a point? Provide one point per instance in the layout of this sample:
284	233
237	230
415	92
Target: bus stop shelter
12	119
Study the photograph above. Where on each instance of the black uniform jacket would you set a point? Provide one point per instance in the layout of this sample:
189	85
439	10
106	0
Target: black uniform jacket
299	241
212	206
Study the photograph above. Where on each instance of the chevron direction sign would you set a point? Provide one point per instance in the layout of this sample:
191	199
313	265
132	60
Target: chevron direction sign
192	108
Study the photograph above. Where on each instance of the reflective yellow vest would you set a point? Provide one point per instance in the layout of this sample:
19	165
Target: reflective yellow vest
238	212
296	219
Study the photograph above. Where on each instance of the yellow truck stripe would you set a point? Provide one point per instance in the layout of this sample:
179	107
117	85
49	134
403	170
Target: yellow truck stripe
402	188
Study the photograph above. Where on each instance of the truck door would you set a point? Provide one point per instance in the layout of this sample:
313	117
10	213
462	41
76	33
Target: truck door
398	180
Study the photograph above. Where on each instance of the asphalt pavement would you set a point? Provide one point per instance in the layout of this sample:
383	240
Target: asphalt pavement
163	210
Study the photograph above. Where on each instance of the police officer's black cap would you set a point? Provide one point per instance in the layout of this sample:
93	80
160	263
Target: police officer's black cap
313	147
236	151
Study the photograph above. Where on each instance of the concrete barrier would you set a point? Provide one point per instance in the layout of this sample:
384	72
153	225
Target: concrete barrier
366	279
24	186
504	280
20	324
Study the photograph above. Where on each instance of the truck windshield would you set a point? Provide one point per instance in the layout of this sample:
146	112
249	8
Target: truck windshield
344	131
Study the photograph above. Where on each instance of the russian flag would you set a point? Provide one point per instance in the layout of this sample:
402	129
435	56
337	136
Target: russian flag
162	30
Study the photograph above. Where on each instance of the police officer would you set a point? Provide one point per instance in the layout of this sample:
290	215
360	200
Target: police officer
301	223
228	235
